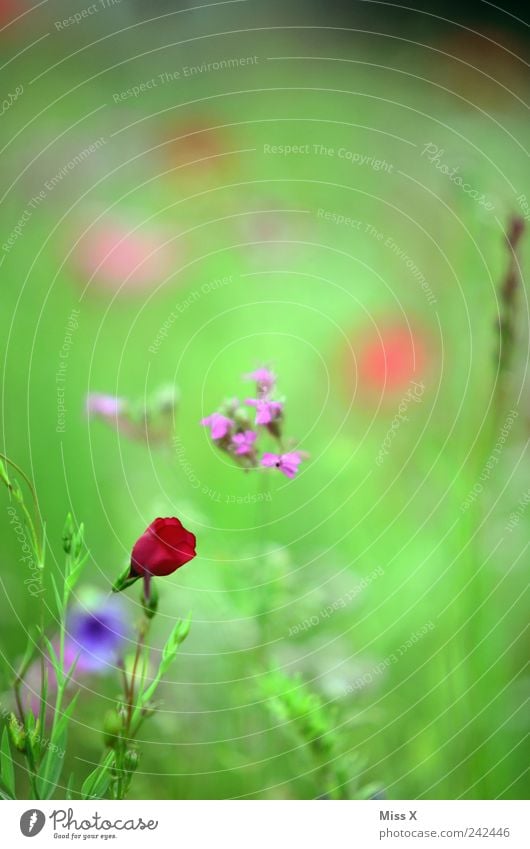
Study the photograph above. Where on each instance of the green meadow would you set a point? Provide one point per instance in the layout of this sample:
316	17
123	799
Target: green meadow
356	630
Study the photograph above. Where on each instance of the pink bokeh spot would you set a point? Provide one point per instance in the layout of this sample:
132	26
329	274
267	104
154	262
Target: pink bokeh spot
111	256
390	358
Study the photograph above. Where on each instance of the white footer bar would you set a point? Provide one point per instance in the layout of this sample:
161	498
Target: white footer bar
268	824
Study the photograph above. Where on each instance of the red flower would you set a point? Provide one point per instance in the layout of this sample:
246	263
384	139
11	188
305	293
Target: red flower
165	546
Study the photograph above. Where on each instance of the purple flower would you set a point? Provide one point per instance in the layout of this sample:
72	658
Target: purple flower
264	378
244	442
96	635
286	463
219	425
266	411
107	406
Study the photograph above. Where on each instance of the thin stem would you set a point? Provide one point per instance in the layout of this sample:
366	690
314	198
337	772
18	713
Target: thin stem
33	495
62	679
129	693
139	645
121	666
19	680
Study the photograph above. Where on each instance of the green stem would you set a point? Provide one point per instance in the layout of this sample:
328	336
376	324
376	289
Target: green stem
38	545
131	713
32	770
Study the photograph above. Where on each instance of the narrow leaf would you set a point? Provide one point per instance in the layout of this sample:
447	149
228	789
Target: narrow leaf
96	784
58	599
69	788
4	791
52	763
6	764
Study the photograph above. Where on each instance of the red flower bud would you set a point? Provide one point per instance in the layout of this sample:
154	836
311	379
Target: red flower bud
164	547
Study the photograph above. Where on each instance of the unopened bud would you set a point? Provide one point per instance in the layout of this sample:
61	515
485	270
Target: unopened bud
68	533
112	728
165	400
242	419
77	541
17	733
130	760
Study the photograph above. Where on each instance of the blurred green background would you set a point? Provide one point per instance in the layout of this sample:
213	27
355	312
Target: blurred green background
244	263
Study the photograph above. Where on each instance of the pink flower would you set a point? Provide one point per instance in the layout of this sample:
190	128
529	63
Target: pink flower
244	442
107	406
266	411
286	463
264	378
219	425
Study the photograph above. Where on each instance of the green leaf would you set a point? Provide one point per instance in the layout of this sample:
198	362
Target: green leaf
34	635
52	763
75	573
54	659
3	474
368	791
58	600
125	580
30	722
52	766
97	783
69	788
7	770
66	715
17	492
43	695
175	639
4	791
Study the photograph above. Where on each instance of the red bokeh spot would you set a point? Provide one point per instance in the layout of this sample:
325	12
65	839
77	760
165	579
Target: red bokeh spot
115	257
9	10
390	359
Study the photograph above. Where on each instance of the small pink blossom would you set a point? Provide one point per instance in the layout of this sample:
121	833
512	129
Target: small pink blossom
266	411
264	378
286	463
107	406
244	442
219	425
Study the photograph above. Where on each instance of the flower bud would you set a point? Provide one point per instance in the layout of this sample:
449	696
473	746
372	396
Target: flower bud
130	760
148	710
165	400
112	728
17	733
68	533
242	419
77	541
